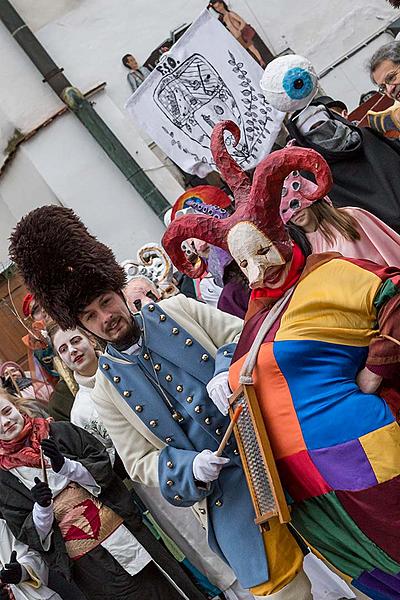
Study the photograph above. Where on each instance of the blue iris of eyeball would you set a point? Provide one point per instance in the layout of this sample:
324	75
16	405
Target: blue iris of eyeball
297	83
289	83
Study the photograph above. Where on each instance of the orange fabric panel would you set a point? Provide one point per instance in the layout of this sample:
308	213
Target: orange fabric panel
276	403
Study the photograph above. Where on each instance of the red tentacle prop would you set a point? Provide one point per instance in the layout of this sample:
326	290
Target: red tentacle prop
272	171
268	180
203	227
233	174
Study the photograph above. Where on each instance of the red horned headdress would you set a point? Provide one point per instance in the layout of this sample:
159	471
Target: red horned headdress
256	204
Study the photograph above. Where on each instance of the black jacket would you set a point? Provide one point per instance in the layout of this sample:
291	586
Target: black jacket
367	176
16	505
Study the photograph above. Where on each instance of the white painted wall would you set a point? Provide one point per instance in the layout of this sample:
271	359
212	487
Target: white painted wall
83	178
88	38
22	188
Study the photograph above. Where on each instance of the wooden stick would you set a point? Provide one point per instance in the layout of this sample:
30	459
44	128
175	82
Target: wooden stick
43	466
229	430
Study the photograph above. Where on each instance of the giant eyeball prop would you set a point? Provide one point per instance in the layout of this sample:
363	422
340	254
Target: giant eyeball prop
289	83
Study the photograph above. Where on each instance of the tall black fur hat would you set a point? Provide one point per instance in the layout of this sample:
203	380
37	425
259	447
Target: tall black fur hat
62	264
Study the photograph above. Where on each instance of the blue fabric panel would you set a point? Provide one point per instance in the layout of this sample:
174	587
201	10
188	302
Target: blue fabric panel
235	530
201	580
329	404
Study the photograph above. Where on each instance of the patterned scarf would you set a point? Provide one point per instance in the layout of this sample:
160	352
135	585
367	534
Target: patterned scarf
24	450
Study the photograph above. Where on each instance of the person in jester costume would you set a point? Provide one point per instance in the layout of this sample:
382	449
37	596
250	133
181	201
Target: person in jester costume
319	373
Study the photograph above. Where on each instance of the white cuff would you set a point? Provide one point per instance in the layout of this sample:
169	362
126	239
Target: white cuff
75	471
43	517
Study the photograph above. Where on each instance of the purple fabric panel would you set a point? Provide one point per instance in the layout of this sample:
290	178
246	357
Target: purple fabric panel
234	299
344	466
377	580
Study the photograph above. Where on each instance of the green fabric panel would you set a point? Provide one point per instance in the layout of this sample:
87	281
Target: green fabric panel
169	543
326	526
385	292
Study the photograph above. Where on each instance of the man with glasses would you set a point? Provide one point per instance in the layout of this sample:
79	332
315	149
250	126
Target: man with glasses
384	68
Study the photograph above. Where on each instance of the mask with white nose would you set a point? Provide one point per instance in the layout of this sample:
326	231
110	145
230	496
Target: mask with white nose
256	255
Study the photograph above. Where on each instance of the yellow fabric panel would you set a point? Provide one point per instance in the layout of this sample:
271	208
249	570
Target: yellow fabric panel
333	303
382	448
285	558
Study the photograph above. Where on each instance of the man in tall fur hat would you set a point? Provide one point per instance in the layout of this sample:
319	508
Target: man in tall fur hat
153	388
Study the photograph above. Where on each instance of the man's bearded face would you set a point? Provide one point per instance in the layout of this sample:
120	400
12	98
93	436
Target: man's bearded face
108	317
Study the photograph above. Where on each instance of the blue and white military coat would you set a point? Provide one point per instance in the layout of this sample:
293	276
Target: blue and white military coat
184	344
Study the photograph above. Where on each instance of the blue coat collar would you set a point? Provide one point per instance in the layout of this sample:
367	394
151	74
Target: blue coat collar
161	333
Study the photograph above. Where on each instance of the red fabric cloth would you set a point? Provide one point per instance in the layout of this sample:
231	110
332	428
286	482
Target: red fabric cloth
362	506
301	478
296	268
24	450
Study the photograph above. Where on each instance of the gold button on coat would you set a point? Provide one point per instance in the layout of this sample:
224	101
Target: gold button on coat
170	464
179	388
116	379
205	357
170	483
189	399
168	377
168	440
138	408
188	342
218	503
127	394
146	356
153	423
178	498
105	366
198	409
218	431
175	331
151	307
163	318
157	367
207	420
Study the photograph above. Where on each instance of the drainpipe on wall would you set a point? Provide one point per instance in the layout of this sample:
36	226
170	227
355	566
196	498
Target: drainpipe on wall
82	109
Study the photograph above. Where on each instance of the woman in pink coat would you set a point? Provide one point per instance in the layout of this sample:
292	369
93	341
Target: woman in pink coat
353	232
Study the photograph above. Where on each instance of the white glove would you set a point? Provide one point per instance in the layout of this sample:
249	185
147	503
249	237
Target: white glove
207	466
219	391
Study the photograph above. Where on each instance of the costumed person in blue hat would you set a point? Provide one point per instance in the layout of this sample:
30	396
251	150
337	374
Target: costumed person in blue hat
158	379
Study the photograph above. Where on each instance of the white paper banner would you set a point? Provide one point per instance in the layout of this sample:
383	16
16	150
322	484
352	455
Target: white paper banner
206	77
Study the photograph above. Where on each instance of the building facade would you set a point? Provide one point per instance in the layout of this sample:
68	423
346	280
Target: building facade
61	163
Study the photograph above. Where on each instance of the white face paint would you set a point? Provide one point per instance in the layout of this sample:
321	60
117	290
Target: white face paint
11	421
257	256
76	351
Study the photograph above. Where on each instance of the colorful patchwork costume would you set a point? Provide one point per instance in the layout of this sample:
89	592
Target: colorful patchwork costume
337	449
